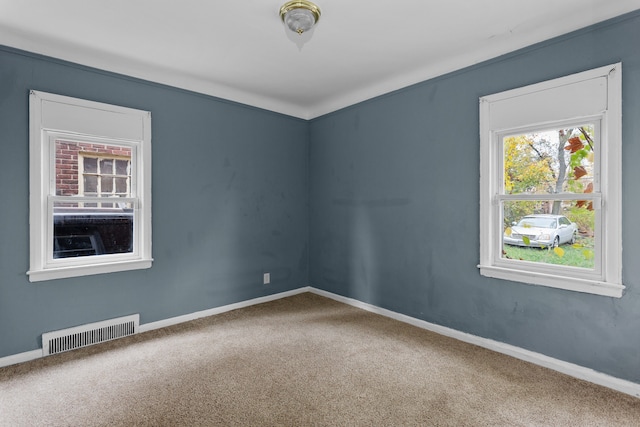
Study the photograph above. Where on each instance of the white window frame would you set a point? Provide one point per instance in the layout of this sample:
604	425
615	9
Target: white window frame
593	96
54	117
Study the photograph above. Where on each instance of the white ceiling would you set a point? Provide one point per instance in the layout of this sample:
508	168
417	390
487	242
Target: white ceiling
238	49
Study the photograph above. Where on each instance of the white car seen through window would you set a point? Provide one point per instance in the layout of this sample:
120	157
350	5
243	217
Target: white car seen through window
541	230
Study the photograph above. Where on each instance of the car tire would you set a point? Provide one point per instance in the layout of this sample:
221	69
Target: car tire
573	239
556	242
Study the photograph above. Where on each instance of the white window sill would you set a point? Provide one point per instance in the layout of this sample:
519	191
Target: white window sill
595	287
86	270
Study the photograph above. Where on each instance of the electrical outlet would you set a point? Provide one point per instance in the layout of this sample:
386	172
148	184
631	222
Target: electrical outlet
266	278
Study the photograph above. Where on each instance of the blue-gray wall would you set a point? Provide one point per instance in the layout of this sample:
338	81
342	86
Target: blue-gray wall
395	214
230	201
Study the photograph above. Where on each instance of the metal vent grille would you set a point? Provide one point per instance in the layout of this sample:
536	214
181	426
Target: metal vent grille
89	334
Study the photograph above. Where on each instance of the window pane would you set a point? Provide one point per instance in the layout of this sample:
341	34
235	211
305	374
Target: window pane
121	186
106	166
90	185
86	231
90	165
549	232
555	161
106	185
122	167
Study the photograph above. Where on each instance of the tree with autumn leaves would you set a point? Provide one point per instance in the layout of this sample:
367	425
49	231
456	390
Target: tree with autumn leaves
581	149
536	163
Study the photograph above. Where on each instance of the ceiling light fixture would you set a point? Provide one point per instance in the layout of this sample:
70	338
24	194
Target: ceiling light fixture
300	16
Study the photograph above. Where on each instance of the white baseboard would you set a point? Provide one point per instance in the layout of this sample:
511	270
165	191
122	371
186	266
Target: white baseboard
36	354
567	368
20	357
219	310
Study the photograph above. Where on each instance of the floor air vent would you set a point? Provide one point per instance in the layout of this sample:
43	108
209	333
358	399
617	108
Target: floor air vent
89	334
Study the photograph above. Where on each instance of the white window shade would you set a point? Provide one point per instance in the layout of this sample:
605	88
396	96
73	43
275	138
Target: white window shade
548	104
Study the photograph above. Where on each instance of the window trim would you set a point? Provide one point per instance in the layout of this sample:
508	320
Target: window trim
51	115
608	110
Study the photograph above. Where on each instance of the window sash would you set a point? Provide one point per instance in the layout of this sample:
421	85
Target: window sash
49	153
560	270
98	258
498	137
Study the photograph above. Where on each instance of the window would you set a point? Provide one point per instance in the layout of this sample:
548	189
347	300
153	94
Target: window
105	176
550	185
90	183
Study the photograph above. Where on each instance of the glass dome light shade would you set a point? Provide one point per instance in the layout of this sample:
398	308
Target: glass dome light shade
299	20
300	16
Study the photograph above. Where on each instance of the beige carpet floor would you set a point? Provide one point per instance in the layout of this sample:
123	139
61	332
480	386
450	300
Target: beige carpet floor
300	361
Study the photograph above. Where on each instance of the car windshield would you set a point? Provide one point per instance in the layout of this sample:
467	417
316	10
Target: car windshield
538	222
